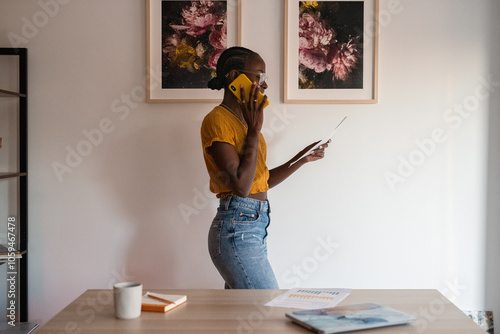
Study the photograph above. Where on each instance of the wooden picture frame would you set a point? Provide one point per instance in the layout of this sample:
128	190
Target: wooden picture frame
181	53
331	51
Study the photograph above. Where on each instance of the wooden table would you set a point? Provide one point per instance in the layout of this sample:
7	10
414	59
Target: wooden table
242	312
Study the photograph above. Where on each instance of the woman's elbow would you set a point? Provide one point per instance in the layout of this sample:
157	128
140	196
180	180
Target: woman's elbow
240	190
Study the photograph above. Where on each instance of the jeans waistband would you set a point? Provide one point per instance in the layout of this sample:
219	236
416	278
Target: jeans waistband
251	203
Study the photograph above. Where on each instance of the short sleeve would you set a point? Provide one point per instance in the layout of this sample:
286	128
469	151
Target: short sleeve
216	127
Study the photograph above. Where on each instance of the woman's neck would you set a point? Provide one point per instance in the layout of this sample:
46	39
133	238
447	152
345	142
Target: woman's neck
234	108
232	103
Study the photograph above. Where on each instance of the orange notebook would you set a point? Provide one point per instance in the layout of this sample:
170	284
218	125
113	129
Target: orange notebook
157	302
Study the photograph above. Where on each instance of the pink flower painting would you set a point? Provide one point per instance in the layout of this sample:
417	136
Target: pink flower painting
194	35
330	44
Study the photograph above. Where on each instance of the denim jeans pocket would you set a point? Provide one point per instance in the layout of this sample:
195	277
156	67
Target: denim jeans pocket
214	247
247	233
247	215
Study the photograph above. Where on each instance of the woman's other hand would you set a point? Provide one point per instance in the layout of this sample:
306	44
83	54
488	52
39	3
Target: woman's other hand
315	155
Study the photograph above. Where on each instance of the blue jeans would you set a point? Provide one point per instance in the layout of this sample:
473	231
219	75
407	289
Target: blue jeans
237	243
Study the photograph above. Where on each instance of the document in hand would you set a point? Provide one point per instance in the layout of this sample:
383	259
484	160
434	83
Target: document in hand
349	318
156	302
322	141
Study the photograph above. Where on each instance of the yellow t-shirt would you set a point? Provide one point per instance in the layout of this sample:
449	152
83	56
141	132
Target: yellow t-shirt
222	126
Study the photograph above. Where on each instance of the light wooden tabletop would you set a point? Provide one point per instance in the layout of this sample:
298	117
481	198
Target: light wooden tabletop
242	312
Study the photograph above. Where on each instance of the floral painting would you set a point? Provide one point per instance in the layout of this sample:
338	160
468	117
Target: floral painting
194	34
330	44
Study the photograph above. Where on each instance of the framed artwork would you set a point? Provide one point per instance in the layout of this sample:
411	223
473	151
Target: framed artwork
184	42
331	51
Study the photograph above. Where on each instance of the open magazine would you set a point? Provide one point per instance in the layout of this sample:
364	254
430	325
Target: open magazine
349	318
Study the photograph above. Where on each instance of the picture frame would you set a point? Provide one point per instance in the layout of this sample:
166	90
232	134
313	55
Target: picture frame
181	53
331	51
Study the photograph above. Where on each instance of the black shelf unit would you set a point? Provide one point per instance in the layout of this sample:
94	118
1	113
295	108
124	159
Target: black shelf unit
22	175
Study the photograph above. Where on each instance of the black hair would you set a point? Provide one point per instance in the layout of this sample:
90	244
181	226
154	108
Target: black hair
233	58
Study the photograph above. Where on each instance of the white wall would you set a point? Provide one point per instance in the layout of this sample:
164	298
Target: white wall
337	223
493	212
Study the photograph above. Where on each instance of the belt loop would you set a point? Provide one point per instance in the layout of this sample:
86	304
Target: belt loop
228	201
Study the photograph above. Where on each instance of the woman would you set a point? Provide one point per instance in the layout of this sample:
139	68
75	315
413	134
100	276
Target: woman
235	155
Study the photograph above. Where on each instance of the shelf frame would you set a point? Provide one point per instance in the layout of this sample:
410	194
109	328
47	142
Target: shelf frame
7	93
22	174
11	175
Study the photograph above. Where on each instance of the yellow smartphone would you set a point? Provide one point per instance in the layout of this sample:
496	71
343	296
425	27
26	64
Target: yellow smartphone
235	87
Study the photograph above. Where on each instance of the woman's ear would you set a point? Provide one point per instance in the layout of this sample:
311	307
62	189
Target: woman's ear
230	76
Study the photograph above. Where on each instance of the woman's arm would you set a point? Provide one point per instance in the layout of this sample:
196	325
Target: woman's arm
239	170
279	174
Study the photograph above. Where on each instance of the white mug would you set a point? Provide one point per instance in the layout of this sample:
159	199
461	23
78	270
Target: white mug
128	300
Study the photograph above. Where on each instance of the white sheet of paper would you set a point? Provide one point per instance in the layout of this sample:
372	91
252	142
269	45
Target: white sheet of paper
323	141
310	298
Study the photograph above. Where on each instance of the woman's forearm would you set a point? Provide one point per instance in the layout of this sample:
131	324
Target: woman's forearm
281	173
242	178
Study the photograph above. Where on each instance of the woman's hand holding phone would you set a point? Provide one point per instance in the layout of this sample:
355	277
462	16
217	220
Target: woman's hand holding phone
242	80
252	110
251	101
